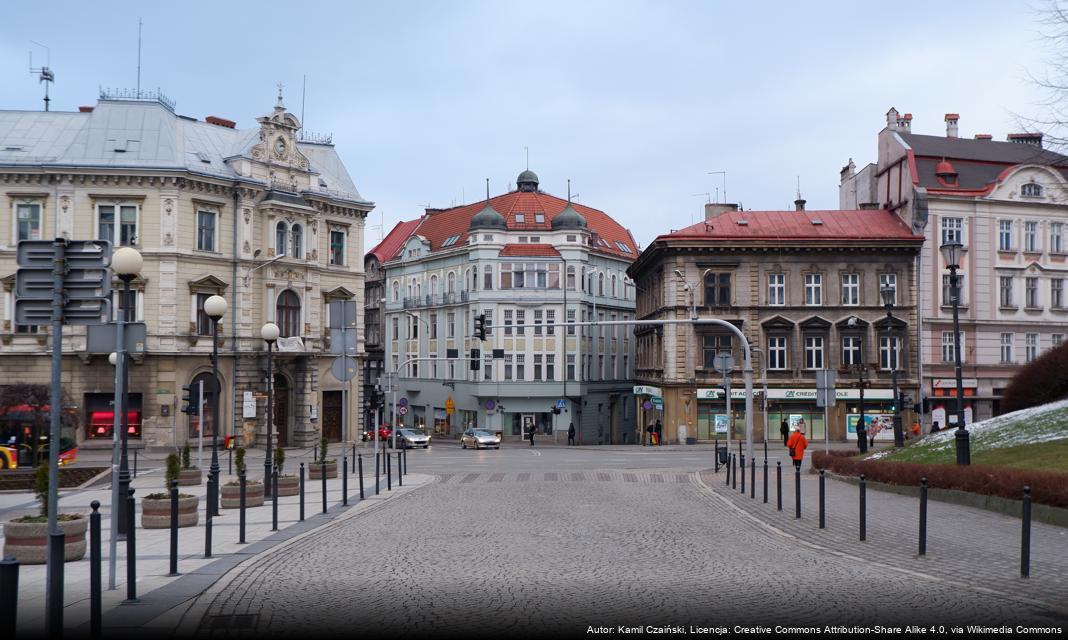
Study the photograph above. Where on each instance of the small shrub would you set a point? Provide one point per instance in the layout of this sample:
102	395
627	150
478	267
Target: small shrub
279	459
239	460
1042	381
173	469
322	450
186	464
40	488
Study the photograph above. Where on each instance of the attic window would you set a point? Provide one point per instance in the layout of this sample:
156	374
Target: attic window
519	217
539	217
816	222
16	147
1031	190
322	183
604	243
623	246
742	223
572	238
451	240
203	157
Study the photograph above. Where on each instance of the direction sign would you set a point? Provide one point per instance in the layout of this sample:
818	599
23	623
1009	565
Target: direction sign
86	293
32	311
343	314
78	284
343	368
79	254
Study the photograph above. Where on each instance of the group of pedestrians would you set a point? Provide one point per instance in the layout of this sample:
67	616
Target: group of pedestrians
570	434
654	434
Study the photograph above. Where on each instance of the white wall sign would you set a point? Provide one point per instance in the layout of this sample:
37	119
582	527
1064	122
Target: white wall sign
642	390
248	405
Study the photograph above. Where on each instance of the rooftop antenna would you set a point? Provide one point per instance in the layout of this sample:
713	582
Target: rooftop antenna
527	149
798	187
303	88
487	190
724	175
705	194
569	190
46	74
139	57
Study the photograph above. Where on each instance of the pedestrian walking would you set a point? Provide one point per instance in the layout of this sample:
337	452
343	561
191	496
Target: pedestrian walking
658	429
649	434
784	429
797	443
530	434
571	434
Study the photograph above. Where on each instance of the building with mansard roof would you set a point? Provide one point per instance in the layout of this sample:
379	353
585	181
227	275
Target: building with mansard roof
267	217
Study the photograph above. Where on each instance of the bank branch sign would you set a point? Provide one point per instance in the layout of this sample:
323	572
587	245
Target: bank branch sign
642	390
801	395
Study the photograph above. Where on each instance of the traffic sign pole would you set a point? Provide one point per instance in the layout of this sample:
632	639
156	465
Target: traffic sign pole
54	589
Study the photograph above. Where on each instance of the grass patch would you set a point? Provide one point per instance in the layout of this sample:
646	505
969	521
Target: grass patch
1051	456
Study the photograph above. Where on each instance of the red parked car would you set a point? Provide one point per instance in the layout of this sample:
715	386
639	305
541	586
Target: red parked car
385	432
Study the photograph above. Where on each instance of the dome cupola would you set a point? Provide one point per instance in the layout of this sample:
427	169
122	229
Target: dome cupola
569	219
527	181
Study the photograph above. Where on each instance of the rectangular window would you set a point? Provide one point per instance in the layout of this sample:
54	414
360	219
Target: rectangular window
851	350
713	345
777	352
520	321
718	290
1031	346
413	327
487	278
813	289
949	348
538	319
538	358
125	304
571	366
1030	236
1056	237
203	321
1056	293
850	289
550	321
434	327
450	325
487	366
120	231
1004	235
813	352
520	366
550	367
206	230
396	328
952	230
570	320
947	290
888	280
28	221
434	366
1058	338
777	289
507	322
337	248
1031	291
1006	290
1006	348
600	367
508	367
488	313
889	352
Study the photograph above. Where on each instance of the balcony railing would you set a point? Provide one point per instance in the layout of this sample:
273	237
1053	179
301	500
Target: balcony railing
436	299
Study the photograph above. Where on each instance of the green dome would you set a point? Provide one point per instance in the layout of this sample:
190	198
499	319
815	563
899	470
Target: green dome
488	218
527	181
569	219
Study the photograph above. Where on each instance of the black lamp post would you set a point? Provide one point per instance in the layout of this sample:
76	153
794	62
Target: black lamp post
951	253
126	263
862	431
215	307
889	293
269	332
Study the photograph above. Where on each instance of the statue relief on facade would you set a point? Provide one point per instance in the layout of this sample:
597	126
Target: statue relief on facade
248	215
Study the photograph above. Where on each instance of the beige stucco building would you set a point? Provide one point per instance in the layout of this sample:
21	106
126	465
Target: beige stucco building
266	217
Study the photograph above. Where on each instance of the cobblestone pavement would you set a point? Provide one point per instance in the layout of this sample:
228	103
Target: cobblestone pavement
558	551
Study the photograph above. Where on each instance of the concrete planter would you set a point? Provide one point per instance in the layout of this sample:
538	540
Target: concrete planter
288	486
231	495
156	513
315	470
28	541
189	477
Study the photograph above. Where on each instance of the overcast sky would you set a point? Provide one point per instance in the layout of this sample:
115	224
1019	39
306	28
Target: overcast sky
636	102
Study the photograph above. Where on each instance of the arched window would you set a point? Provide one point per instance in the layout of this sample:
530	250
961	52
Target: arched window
280	233
287	314
583	274
396	291
298	241
450	283
487	277
571	278
433	285
600	284
194	420
1031	190
411	288
613	285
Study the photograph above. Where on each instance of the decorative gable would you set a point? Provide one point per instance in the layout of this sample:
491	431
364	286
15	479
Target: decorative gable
207	284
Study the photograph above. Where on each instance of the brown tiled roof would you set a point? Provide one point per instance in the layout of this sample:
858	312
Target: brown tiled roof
535	250
393	241
872	225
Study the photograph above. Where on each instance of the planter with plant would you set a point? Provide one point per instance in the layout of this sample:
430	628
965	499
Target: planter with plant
188	475
26	538
288	484
231	491
317	468
156	507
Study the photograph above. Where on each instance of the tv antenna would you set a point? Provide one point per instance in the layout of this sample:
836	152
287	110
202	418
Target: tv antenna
724	174
45	74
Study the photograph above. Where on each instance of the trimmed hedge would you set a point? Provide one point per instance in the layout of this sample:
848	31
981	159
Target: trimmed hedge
1044	380
1047	487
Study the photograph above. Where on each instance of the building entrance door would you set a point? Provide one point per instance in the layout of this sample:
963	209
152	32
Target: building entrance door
281	410
332	416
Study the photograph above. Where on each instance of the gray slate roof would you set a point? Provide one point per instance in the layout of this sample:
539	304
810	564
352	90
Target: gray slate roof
987	150
153	137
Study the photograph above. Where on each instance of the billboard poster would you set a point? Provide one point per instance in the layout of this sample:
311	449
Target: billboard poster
878	425
721	423
797	421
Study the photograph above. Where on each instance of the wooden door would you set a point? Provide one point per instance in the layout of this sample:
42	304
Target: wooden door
332	416
281	410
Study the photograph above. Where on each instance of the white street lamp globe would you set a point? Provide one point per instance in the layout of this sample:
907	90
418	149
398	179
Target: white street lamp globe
126	262
215	306
269	332
113	358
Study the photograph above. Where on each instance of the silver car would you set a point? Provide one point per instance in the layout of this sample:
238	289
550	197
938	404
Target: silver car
479	438
409	438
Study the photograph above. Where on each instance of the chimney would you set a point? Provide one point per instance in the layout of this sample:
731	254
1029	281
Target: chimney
848	171
221	122
892	119
951	125
1033	139
713	210
85	109
983	136
906	122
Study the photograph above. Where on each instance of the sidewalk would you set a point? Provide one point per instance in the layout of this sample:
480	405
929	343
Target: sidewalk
973	548
159	593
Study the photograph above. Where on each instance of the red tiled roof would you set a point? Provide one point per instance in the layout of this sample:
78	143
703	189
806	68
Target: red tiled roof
873	225
537	250
393	241
439	225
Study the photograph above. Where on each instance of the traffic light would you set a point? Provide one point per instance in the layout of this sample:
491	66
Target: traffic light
555	410
480	328
189	400
476	359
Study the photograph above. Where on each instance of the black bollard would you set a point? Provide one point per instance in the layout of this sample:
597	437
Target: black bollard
273	505
716	457
734	471
229	464
322	468
241	509
315	452
131	548
1025	535
95	557
354	456
778	481
923	516
389	471
404	450
797	493
752	480
765	480
302	492
359	471
863	509
207	521
400	474
726	467
742	465
765	448
823	504
55	584
135	464
174	528
345	480
377	473
9	588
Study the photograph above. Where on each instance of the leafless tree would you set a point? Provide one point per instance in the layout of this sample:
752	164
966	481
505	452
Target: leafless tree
1053	80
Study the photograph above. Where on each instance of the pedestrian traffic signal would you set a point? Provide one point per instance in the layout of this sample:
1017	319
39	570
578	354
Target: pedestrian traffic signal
480	328
190	403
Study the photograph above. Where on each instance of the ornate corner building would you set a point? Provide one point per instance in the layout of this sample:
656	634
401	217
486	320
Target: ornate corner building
266	217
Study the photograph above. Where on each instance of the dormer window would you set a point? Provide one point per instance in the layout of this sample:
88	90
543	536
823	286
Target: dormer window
539	218
520	218
1031	190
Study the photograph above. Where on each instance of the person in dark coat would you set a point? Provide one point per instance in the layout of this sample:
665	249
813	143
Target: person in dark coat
648	434
571	434
659	429
530	434
784	429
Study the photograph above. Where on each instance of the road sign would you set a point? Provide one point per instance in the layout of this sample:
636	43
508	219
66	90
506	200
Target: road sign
403	402
343	368
103	338
79	254
343	314
658	403
450	406
86	281
561	403
490	405
723	362
825	381
74	312
78	284
647	405
402	410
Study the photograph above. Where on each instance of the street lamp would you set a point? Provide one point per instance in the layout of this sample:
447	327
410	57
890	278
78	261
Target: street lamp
126	263
951	253
215	307
269	332
889	294
862	432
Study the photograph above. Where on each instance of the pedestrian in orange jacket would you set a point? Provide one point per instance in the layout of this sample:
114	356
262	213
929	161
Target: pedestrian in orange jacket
797	443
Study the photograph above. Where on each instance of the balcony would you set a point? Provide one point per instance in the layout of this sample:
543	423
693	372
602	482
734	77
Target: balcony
434	300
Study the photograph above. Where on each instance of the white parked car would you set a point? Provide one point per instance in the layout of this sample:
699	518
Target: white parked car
479	438
410	438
